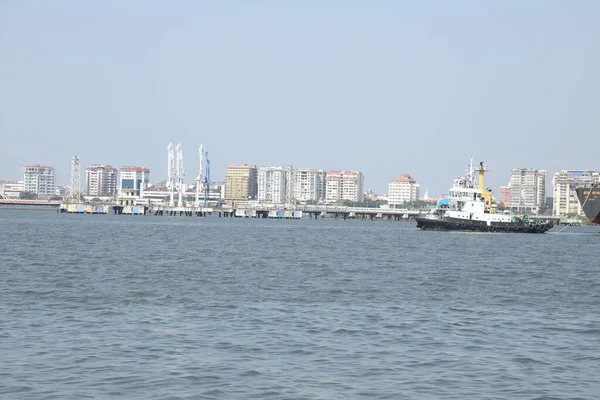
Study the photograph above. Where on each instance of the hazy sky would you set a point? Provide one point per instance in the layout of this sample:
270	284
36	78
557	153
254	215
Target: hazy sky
386	87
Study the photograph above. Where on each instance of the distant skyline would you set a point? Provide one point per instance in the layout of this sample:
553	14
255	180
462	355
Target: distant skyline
382	87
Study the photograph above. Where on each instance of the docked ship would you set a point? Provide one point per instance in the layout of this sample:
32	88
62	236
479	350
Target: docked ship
589	198
468	207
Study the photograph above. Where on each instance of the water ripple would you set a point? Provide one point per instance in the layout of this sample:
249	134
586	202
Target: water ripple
209	308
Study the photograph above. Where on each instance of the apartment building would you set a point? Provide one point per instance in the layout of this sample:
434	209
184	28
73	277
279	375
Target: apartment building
274	185
527	189
403	189
344	185
310	185
101	181
564	184
241	182
39	179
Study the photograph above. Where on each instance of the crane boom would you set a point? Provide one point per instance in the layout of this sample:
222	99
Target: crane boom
206	180
180	174
170	174
199	178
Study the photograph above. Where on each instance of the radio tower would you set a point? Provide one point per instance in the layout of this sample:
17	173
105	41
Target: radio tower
199	180
75	196
180	174
170	173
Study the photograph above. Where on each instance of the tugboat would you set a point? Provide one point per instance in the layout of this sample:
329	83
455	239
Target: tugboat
469	208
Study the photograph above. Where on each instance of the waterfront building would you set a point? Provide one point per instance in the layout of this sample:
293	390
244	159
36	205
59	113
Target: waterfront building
527	189
101	181
564	184
403	189
12	189
344	185
241	182
39	179
309	185
505	195
274	185
134	178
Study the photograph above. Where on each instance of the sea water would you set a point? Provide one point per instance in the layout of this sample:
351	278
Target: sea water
148	307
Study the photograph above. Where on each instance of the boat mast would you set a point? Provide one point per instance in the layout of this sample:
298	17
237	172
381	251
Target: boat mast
471	174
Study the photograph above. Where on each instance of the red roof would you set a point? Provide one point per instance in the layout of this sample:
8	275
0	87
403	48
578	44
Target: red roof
338	172
404	178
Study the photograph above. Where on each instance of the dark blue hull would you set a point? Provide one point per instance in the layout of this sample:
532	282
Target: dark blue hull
453	224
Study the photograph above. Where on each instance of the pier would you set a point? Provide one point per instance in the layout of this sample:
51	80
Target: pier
246	211
29	204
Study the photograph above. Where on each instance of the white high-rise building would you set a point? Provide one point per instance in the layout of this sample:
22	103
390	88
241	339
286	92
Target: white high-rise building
39	179
136	178
100	180
309	184
344	185
565	182
274	184
403	189
527	189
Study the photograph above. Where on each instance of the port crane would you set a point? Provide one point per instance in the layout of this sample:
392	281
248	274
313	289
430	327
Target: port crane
171	174
180	174
200	176
203	178
206	180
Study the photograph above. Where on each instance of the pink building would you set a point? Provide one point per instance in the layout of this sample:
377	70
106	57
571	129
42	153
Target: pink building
505	195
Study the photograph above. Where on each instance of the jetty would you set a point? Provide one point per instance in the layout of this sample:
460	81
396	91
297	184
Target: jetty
264	211
245	211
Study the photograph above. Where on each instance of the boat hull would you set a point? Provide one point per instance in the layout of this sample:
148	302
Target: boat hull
590	203
453	224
